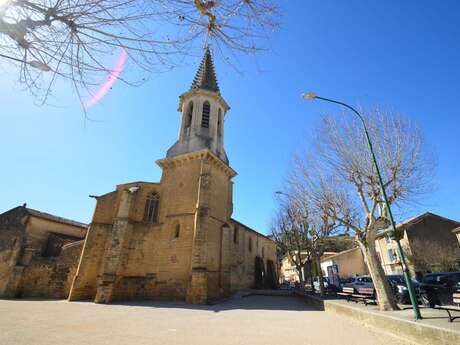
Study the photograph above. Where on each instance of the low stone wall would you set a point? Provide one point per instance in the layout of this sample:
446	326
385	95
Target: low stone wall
10	251
51	277
412	331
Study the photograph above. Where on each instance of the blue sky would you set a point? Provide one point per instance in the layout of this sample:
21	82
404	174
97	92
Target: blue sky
403	56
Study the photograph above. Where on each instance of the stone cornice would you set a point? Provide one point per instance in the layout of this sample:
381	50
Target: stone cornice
207	93
202	154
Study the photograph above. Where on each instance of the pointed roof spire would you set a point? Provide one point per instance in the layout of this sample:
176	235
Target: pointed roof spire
205	77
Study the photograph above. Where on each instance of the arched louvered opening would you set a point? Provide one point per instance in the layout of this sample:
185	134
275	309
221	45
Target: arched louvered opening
189	116
219	123
177	231
205	115
151	208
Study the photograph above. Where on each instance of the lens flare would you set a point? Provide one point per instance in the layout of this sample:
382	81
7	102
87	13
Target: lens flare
109	81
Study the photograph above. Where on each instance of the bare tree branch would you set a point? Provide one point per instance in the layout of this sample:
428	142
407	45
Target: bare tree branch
74	40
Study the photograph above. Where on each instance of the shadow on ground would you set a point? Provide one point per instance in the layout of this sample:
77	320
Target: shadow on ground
249	302
241	301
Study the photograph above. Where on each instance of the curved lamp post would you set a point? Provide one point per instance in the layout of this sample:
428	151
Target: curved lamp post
392	230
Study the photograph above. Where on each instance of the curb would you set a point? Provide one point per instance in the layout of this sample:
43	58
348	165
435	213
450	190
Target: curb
411	331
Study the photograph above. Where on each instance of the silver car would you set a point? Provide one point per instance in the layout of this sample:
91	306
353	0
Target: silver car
359	282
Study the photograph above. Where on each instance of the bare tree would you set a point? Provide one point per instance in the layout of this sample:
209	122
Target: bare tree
343	161
48	40
290	231
315	197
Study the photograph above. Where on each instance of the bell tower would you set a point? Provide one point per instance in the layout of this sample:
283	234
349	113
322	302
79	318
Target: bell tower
203	111
197	188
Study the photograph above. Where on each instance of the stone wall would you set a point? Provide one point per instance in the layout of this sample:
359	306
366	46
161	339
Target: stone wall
246	246
187	254
12	238
84	284
51	277
38	254
150	261
10	252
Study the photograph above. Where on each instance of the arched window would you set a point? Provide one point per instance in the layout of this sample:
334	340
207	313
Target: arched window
219	123
189	116
177	231
151	208
250	244
205	115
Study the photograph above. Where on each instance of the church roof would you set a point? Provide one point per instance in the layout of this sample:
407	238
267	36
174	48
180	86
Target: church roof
54	218
44	215
205	77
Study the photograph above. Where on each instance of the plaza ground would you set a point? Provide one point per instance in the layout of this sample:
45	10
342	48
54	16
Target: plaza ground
252	320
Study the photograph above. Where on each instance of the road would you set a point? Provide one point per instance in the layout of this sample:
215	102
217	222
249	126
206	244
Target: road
252	320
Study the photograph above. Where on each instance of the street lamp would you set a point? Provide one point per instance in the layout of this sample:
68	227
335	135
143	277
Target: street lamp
392	230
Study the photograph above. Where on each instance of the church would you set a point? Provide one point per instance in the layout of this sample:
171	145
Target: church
175	239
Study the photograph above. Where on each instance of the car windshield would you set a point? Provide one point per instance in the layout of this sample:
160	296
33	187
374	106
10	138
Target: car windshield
396	279
365	279
442	278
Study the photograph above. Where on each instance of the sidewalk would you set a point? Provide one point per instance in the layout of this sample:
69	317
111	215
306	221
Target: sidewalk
433	329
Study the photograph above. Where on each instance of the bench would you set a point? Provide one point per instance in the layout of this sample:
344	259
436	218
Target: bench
347	292
449	308
365	295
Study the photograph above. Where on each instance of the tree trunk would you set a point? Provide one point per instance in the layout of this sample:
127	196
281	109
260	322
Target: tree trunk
301	278
320	274
385	296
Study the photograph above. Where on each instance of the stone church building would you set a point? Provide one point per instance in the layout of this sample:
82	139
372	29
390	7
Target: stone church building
175	239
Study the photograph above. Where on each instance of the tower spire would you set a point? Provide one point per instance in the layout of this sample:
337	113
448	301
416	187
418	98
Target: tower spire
205	77
203	110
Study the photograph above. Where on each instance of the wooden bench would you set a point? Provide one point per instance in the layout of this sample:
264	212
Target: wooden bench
347	292
449	308
365	295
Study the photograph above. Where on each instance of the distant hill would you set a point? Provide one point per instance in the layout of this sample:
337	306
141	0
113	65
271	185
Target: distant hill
338	243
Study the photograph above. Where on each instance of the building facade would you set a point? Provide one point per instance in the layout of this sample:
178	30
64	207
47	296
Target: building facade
347	263
428	242
176	239
39	253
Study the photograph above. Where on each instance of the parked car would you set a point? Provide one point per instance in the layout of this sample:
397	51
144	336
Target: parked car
396	281
437	288
399	287
358	282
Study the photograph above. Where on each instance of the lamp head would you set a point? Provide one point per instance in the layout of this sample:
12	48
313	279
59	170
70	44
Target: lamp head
40	65
309	95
